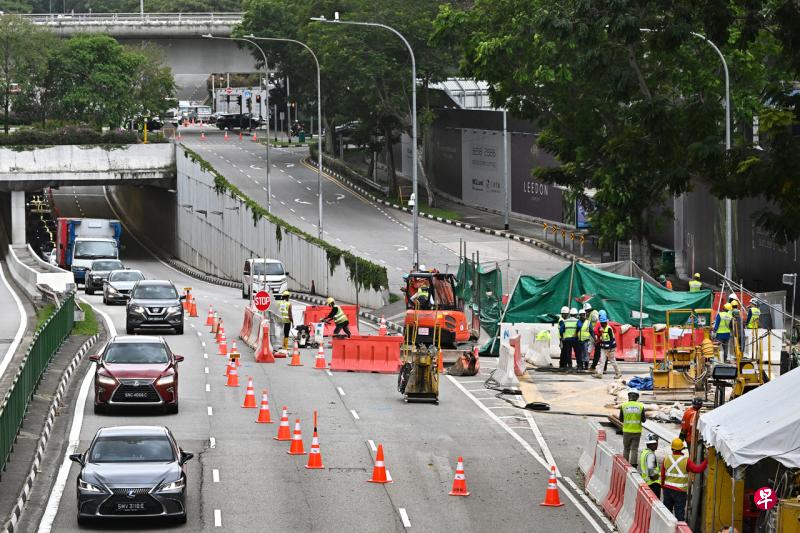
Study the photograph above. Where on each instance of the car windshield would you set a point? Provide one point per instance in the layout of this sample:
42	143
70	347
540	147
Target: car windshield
135	353
155	292
105	266
95	249
267	269
126	275
130	449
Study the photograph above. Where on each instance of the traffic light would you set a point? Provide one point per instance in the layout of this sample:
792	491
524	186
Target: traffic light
228	99
239	100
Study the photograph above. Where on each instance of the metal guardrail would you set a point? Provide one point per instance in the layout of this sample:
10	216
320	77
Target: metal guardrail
141	18
44	345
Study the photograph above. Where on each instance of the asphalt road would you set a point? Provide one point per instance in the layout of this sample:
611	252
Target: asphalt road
352	221
245	481
12	325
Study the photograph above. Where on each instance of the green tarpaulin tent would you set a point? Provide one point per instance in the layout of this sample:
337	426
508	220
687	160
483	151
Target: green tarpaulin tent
489	283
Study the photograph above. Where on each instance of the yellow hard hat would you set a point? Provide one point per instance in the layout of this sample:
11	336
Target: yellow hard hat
286	293
735	303
329	300
697	275
677	444
728	307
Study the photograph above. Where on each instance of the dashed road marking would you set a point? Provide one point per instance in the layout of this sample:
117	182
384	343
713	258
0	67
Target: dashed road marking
208	387
372	445
206	370
215	475
210	410
355	415
217	518
212	442
341	391
404	517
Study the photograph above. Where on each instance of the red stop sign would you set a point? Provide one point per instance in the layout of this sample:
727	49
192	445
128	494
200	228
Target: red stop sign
262	300
228	90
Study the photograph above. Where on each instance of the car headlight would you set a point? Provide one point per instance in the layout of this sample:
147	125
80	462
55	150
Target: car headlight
166	380
173	309
137	309
173	486
106	380
88	487
112	290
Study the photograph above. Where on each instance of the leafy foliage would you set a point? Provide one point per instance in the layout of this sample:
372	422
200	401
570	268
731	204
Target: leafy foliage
71	135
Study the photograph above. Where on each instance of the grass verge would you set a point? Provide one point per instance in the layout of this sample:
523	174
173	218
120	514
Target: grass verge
89	325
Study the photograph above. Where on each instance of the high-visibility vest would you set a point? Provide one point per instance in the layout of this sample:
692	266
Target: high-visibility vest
607	339
643	467
755	314
632	417
570	328
584	334
675	474
543	335
339	317
283	306
695	286
725	319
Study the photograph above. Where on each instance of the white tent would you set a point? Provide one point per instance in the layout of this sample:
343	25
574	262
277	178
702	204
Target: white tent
763	423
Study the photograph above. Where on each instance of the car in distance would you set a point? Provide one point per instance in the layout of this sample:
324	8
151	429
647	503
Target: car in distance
245	121
132	472
98	272
136	371
262	274
154	304
118	285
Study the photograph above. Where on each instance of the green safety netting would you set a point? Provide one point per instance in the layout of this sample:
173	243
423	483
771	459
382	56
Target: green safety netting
482	286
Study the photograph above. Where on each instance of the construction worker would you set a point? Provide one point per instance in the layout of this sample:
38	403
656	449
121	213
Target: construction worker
631	413
591	349
667	284
285	309
752	323
723	324
648	465
689	421
339	318
423	297
694	284
564	315
608	346
584	335
675	478
569	340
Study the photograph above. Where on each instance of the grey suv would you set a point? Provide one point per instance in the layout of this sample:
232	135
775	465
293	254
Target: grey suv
98	272
154	304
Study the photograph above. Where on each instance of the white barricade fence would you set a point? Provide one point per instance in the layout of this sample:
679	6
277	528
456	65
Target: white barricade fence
586	460
536	349
504	375
601	479
255	331
627	512
661	520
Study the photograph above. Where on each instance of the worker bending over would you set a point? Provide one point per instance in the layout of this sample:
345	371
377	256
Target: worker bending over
285	309
339	318
675	479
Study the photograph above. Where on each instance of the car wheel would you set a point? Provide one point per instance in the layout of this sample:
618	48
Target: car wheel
179	329
98	410
89	290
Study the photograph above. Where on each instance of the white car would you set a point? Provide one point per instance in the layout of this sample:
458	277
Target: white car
263	274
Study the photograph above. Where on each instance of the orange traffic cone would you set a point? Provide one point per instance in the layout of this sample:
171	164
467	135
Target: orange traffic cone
379	471
220	331
314	457
228	364
460	480
193	308
226	135
240	135
255	137
296	447
186	297
264	353
264	416
178	136
283	427
234	354
210	317
296	356
440	361
382	328
249	395
223	345
319	361
476	354
202	136
551	497
233	377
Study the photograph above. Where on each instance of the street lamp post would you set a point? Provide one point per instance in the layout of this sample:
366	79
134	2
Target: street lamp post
266	77
319	117
415	209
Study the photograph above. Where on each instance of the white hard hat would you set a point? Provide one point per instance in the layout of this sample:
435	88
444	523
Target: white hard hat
573	311
732	296
423	268
651	439
587	306
565	310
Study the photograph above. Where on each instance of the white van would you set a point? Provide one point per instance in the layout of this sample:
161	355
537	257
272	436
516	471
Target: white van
263	274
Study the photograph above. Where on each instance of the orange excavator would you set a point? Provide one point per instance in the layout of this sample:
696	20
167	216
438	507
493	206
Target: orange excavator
434	313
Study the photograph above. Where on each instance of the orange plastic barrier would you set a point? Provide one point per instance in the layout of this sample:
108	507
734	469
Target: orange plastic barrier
316	313
375	353
616	492
247	324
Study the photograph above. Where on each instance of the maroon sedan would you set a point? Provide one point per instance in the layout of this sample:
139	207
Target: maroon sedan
136	371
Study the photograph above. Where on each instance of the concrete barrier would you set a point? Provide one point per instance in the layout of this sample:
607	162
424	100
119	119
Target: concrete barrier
31	272
601	478
627	514
616	492
594	434
661	520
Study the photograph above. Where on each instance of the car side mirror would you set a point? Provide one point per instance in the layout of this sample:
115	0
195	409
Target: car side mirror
185	457
95	358
126	296
77	458
179	358
285	273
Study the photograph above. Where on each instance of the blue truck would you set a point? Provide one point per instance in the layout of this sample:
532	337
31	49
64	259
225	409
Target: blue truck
79	241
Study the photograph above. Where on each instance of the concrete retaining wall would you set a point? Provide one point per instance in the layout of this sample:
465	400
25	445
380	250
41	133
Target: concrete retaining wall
215	233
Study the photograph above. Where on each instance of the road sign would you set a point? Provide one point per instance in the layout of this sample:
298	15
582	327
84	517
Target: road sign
262	300
228	90
248	94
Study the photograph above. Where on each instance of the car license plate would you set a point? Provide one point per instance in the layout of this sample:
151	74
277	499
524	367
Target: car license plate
132	506
133	395
423	331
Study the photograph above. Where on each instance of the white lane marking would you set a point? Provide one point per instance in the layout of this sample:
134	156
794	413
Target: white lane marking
292	210
341	391
542	444
372	445
210	411
217	518
57	491
23	324
404	517
212	442
329	373
199	334
264	188
527	448
589	504
355	415
215	475
208	387
299	201
192	325
206	370
205	356
203	344
389	476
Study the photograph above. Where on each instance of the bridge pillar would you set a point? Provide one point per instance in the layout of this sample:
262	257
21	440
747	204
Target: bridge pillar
17	217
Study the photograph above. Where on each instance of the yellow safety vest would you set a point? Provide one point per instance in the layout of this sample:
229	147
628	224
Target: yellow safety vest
725	320
543	335
632	417
570	328
695	286
339	317
283	306
584	334
675	474
643	467
607	331
755	314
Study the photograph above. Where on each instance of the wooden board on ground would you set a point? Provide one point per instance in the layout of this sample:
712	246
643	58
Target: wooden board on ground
578	394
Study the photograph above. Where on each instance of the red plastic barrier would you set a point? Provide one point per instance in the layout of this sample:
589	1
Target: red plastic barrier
374	353
247	325
745	300
644	505
519	363
601	437
616	492
316	313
